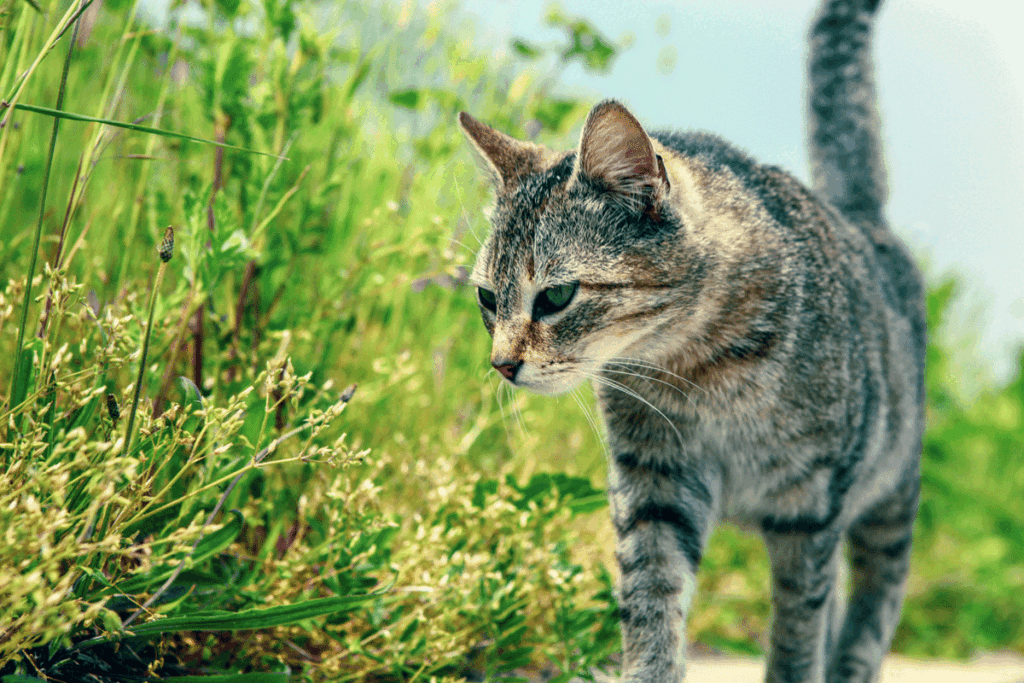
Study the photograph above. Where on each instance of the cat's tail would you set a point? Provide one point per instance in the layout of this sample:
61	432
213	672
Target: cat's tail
845	142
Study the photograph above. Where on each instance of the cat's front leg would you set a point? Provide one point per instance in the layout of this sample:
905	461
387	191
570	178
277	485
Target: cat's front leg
805	568
663	512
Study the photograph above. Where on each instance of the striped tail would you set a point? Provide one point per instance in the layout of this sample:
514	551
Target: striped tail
846	148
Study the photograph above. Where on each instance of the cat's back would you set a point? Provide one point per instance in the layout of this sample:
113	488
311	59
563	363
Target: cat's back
821	321
797	214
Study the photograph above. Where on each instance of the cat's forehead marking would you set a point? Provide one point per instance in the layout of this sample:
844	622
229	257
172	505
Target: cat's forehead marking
516	218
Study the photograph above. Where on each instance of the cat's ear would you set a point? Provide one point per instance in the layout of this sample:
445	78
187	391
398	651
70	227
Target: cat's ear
507	159
617	154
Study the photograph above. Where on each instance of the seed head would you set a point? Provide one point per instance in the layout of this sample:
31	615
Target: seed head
166	249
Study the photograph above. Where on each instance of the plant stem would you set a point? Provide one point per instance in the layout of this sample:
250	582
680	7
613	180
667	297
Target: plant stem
37	238
129	434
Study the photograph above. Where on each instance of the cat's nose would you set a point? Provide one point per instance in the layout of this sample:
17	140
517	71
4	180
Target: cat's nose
507	368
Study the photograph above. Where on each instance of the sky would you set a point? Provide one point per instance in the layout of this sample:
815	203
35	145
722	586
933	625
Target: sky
950	78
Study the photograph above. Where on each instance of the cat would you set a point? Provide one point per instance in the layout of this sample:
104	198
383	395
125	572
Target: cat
757	350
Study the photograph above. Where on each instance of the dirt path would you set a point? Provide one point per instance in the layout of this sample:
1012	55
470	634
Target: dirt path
989	668
992	668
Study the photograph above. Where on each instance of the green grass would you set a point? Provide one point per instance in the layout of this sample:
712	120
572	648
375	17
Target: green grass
454	525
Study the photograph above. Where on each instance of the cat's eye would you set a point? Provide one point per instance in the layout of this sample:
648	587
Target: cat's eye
487	299
553	299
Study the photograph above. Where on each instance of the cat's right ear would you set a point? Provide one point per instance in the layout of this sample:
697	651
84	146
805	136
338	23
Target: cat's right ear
617	153
506	159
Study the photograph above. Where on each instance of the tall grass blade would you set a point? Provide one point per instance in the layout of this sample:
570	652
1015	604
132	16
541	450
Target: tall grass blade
16	381
71	116
166	251
18	678
281	615
227	678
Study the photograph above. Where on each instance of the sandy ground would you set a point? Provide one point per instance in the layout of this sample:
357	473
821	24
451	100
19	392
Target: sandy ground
991	668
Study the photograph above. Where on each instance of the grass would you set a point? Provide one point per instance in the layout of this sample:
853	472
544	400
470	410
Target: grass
318	449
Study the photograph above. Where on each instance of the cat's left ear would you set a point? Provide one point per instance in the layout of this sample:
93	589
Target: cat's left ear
617	154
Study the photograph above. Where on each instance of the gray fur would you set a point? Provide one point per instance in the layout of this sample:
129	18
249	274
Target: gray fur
757	350
846	153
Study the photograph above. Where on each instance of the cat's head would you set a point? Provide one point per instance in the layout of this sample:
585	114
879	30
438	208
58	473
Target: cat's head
586	258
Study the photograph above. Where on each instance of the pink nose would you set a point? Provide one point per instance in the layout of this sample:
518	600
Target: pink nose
508	369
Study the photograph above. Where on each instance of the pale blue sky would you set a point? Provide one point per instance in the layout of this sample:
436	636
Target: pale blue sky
951	84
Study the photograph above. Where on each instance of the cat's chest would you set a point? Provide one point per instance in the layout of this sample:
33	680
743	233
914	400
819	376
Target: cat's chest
761	474
761	461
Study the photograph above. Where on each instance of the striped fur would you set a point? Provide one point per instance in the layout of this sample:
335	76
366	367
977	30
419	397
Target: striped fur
757	350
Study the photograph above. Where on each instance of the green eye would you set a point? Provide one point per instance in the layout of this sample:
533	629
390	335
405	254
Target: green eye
553	299
487	299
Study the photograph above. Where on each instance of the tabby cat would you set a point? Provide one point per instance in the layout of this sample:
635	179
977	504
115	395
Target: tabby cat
757	349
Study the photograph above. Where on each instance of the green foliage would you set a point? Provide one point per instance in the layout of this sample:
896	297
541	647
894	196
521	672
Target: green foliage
584	42
264	522
967	593
241	506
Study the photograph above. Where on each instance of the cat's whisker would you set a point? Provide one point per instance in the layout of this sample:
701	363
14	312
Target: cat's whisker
517	409
649	380
611	383
637	362
576	395
465	216
615	361
508	392
500	391
457	241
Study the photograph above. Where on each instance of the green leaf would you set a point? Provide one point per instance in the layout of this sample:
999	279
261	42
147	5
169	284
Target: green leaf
734	645
511	637
554	114
208	547
264	617
410	98
96	576
281	16
228	7
525	49
519	657
191	394
359	75
484	488
230	678
236	241
409	631
583	506
234	70
70	116
588	45
446	99
26	373
18	678
563	677
414	98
